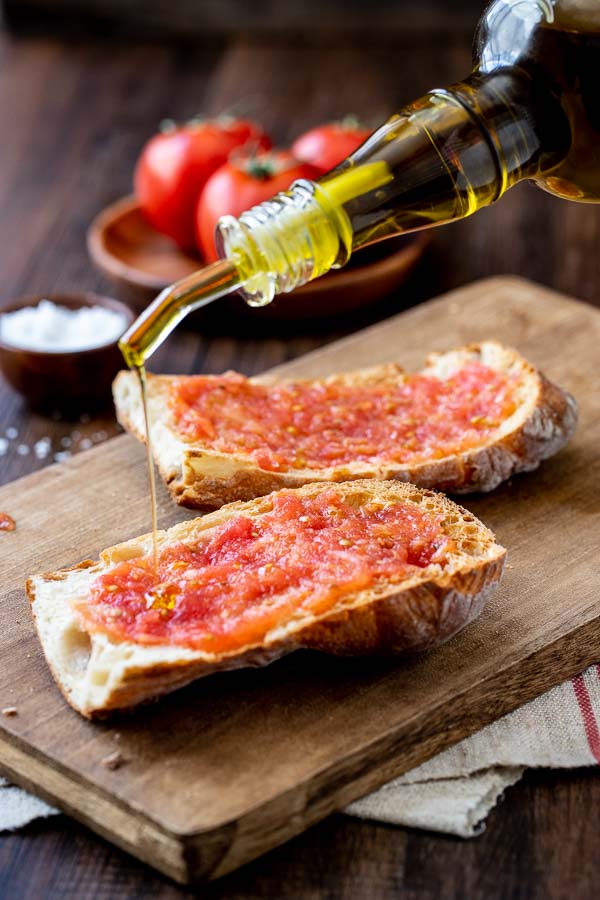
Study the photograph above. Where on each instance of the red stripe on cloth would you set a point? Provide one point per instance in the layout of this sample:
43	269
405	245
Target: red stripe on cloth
588	716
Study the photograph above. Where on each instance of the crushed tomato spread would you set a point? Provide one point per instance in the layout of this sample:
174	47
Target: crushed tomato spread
248	575
321	425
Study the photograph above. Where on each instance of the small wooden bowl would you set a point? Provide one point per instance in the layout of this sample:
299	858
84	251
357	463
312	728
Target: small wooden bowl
141	262
71	380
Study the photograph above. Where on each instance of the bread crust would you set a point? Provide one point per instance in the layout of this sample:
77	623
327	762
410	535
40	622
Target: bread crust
98	675
201	478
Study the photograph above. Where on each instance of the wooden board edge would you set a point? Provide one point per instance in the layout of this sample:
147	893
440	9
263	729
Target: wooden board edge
197	857
57	469
393	755
134	833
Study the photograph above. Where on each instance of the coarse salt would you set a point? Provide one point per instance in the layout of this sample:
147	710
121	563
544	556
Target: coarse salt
42	447
50	328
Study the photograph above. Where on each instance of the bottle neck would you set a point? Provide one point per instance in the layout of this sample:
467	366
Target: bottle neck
520	121
454	151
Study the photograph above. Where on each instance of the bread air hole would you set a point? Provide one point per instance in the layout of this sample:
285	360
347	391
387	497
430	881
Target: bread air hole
75	649
99	677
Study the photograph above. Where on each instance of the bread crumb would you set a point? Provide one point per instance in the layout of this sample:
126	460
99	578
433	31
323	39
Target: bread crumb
113	760
9	711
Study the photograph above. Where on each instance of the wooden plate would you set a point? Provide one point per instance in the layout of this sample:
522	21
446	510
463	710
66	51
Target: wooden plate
142	262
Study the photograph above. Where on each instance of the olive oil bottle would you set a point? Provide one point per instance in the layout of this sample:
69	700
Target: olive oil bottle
530	110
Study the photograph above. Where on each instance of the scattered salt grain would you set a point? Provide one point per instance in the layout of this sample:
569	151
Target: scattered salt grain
85	418
42	447
85	444
62	455
65	442
3	446
23	449
55	329
99	436
12	433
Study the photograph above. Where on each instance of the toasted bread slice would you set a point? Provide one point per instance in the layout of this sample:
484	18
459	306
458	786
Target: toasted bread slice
98	674
200	476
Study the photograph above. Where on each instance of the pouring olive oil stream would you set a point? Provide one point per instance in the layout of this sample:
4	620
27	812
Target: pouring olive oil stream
528	111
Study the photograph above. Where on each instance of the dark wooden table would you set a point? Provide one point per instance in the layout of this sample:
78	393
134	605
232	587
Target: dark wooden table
73	115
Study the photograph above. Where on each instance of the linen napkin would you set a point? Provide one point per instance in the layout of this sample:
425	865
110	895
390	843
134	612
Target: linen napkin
455	791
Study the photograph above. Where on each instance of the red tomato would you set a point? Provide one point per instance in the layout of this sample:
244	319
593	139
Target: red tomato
175	165
240	184
327	145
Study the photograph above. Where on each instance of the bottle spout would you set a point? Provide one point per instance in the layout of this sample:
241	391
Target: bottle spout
172	305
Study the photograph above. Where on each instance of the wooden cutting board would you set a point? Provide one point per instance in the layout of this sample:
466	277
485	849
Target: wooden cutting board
237	763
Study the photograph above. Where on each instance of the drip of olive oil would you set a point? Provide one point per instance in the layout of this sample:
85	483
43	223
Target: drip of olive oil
143	382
